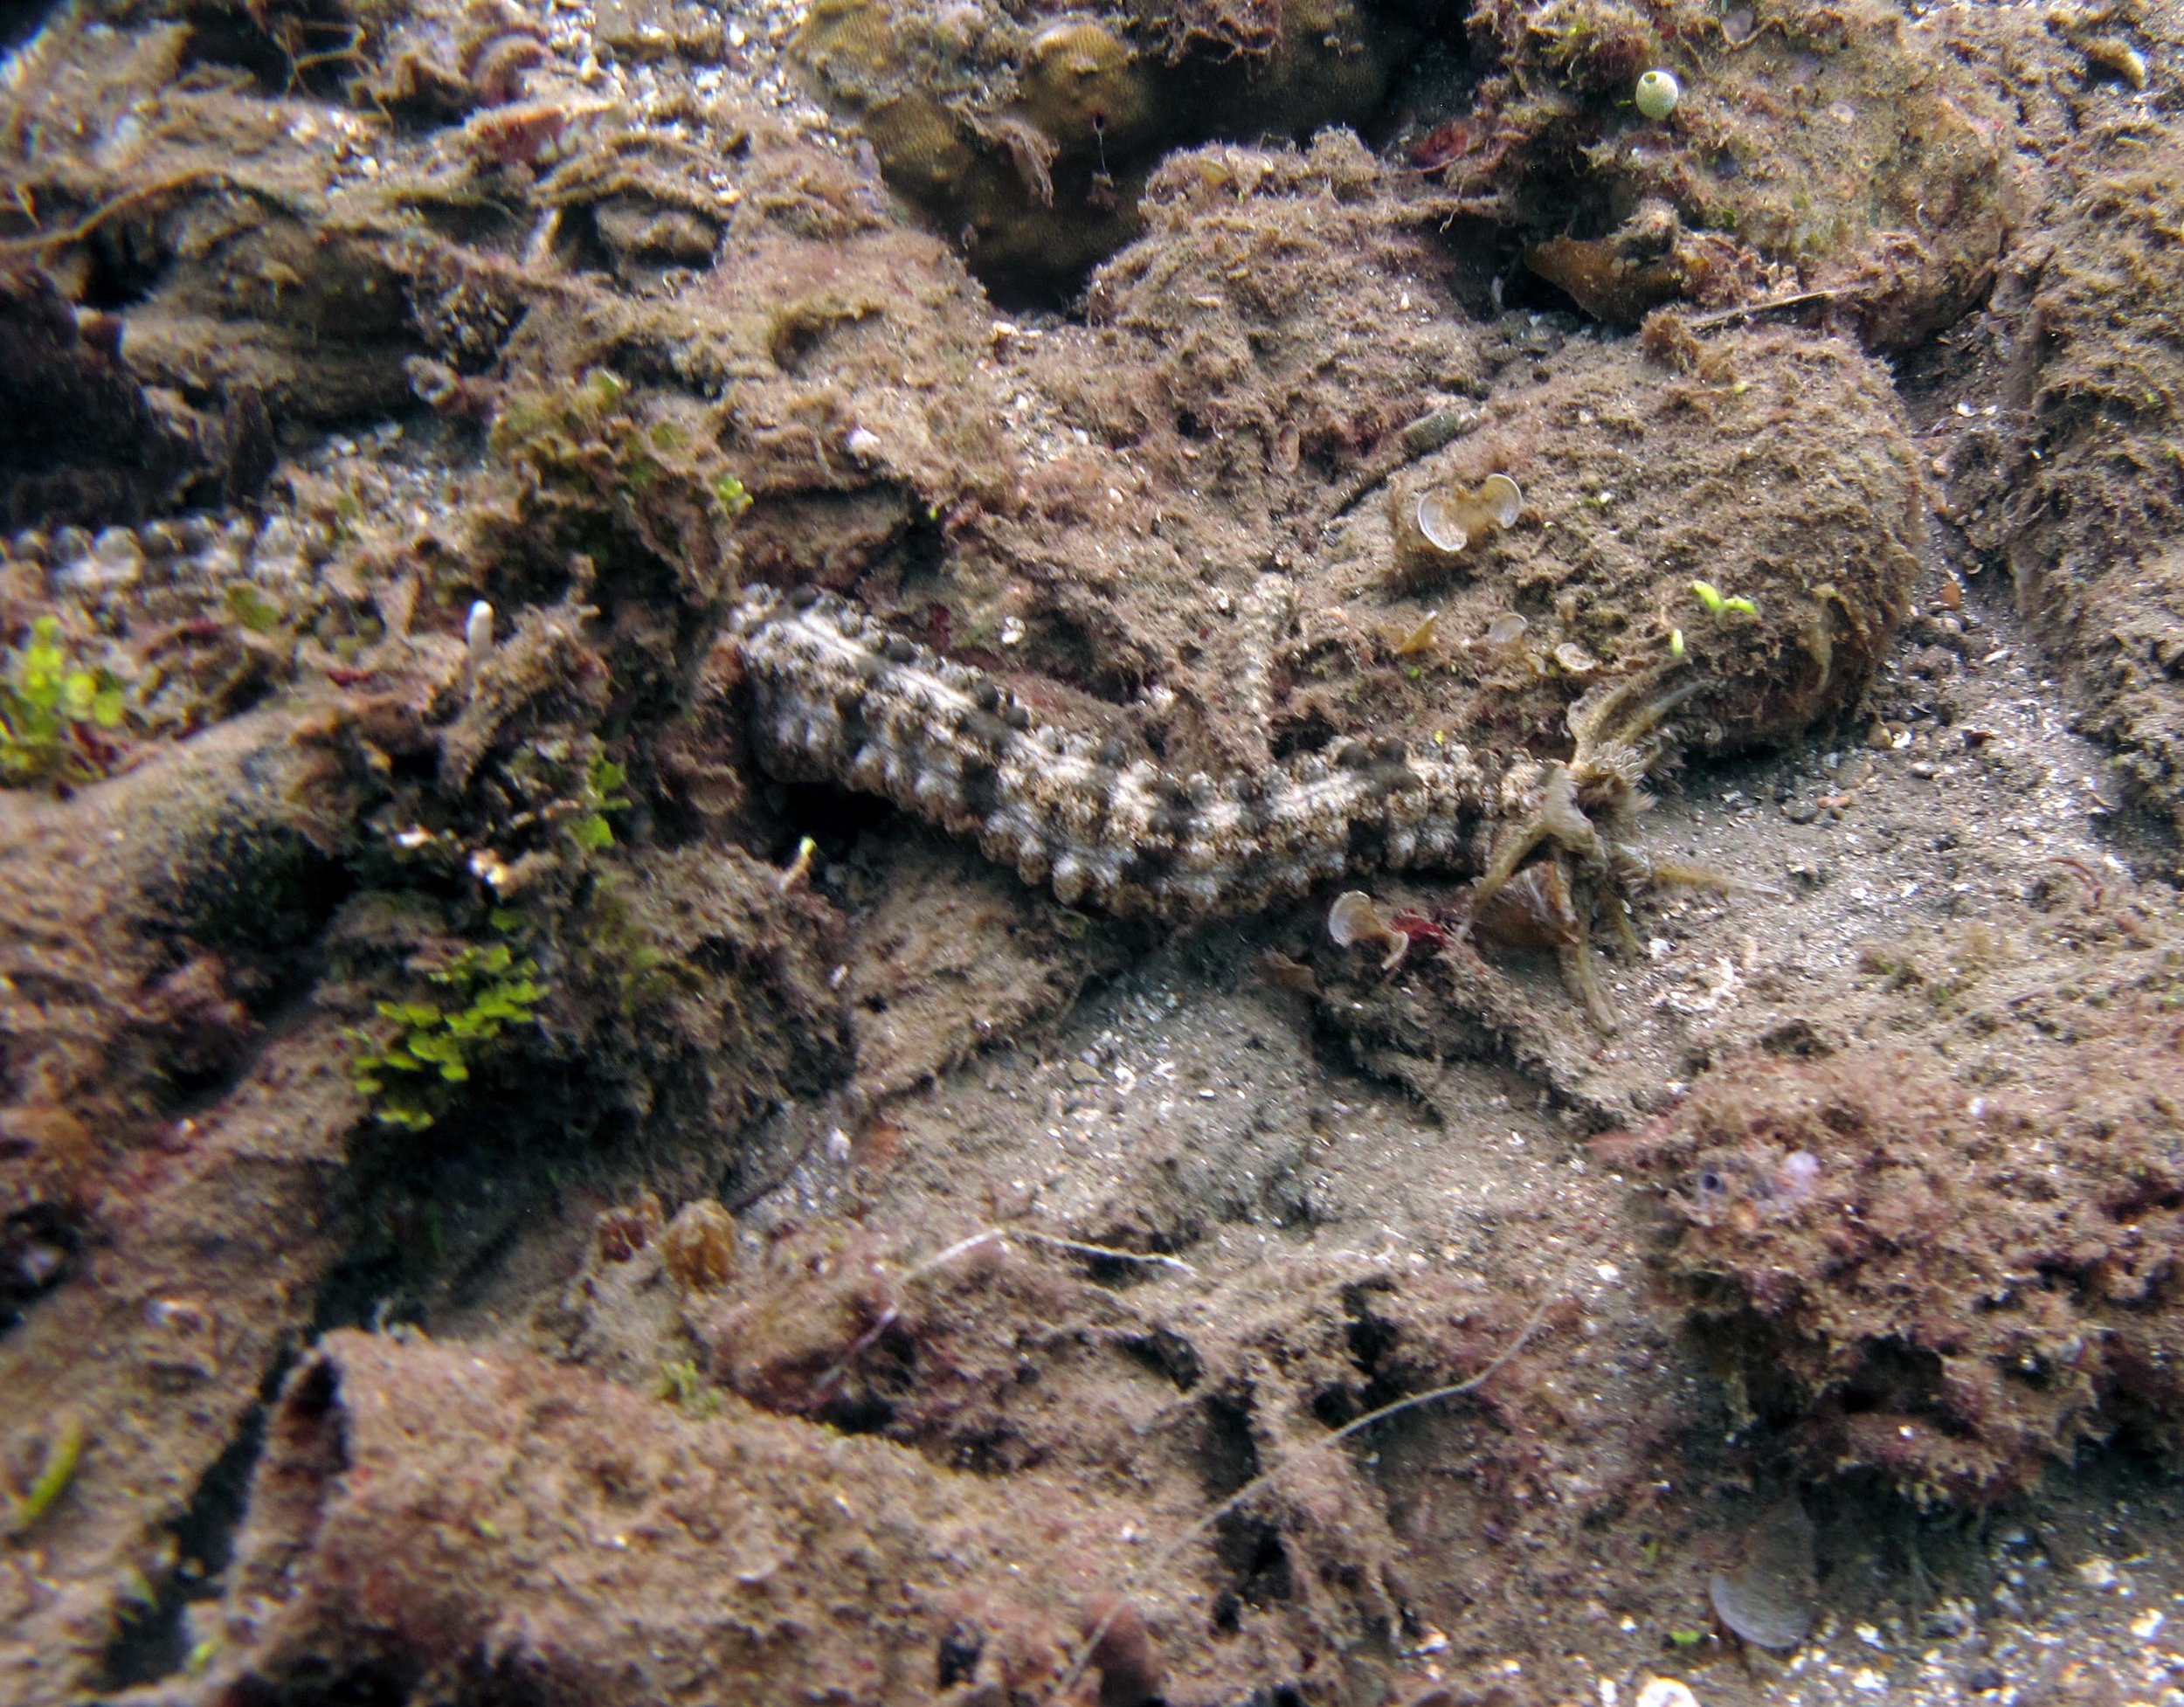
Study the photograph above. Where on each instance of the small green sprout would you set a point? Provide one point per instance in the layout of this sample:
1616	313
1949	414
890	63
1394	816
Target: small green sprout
51	710
731	496
683	1387
63	1451
602	793
1687	1638
252	608
408	1079
1675	645
1710	596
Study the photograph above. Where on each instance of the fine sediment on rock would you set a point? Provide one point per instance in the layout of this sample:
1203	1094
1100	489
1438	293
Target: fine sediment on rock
439	1518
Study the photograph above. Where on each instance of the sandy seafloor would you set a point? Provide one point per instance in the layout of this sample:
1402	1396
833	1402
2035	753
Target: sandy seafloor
835	1269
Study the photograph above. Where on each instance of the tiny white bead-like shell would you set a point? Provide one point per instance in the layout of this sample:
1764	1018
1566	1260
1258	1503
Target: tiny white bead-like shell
1658	93
478	632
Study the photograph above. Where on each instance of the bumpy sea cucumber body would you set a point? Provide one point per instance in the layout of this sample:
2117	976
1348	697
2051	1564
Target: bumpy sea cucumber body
837	698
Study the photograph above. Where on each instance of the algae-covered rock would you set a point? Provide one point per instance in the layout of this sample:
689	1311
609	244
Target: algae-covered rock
2074	488
82	443
1283	316
1010	136
736	1532
1873	1264
947	962
1027	138
108	896
165	1153
1211	568
1845	148
1642	482
704	990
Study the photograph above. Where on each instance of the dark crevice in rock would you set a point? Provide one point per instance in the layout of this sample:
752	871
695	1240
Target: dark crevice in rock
157	1644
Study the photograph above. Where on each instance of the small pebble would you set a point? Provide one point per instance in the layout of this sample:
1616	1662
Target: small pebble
117	547
113	560
37	1266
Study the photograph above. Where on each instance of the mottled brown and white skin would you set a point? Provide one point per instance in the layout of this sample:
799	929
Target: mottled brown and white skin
836	697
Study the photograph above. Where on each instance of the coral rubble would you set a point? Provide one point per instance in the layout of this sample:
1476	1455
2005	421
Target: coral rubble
1953	1287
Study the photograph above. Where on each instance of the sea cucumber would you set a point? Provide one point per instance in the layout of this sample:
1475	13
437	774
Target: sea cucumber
838	698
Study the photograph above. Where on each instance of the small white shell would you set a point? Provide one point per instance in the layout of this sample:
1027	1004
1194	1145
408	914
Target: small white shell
1438	522
1658	93
1502	501
1353	918
1435	526
478	632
